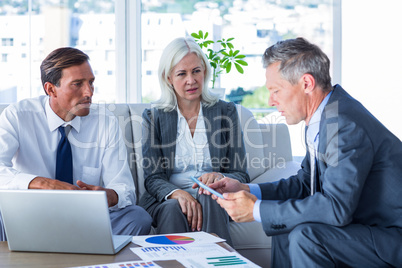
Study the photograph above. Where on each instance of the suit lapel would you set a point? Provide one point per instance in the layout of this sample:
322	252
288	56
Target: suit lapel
168	126
328	128
213	121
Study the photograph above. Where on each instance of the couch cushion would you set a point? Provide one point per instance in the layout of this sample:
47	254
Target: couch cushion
136	111
122	112
253	142
277	147
249	235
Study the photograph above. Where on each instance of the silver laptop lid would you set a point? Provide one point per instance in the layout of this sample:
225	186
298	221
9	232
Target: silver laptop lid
57	221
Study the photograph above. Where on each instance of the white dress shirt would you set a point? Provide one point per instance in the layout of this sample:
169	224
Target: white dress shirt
29	138
192	157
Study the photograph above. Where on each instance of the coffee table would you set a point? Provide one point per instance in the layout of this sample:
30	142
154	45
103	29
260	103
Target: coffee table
43	259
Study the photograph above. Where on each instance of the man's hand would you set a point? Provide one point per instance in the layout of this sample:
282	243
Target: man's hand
207	179
112	197
228	185
190	207
238	205
50	184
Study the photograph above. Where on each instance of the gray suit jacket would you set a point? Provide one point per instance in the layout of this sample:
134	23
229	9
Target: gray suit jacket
225	140
360	180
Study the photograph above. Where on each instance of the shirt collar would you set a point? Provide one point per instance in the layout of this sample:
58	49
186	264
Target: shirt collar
54	121
314	124
181	117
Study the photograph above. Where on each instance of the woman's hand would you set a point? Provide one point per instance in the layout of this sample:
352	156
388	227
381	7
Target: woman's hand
207	179
190	207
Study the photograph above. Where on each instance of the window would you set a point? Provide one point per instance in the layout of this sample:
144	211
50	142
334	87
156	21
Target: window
42	26
7	42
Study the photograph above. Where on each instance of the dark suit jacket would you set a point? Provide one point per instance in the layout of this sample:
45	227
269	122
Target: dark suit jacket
226	148
360	179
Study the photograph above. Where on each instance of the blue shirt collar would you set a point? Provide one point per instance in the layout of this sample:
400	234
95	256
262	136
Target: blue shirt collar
314	124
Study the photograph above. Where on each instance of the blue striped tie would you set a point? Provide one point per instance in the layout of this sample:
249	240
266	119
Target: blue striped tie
64	159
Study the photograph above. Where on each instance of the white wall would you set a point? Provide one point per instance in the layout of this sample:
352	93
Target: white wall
372	58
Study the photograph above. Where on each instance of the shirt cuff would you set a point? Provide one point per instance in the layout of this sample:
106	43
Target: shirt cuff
169	194
124	195
23	180
255	190
256	211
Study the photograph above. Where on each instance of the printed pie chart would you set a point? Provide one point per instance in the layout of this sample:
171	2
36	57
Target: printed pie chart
170	240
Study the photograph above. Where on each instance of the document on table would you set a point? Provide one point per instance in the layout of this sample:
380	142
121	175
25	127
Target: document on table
127	264
232	260
197	256
175	252
179	239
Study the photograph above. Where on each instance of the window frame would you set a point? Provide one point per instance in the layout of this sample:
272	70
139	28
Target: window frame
128	51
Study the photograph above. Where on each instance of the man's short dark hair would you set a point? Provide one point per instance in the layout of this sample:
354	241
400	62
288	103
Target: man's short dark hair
298	57
59	59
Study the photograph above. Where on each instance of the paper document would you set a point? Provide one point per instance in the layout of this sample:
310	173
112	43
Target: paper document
177	252
179	239
128	264
230	259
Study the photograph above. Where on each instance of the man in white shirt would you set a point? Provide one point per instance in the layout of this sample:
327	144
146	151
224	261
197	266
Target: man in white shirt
29	138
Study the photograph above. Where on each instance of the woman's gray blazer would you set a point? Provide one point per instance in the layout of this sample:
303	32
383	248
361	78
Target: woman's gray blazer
226	148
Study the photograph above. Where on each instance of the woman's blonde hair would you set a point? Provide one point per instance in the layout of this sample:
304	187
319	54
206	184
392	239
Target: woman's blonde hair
174	52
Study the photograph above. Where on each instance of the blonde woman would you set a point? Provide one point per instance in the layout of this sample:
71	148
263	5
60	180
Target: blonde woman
189	132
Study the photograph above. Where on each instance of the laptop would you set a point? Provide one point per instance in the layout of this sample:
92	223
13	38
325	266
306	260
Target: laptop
75	221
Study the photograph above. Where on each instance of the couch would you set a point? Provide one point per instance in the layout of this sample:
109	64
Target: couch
269	158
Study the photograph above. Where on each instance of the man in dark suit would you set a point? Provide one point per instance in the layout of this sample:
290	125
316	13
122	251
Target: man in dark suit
344	206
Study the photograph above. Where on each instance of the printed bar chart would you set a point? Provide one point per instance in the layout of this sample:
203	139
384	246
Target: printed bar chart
225	261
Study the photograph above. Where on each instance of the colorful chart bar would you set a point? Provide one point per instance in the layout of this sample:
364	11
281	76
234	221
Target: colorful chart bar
225	261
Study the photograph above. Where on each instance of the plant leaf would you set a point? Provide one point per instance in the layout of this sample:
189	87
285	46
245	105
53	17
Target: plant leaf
239	68
242	62
228	67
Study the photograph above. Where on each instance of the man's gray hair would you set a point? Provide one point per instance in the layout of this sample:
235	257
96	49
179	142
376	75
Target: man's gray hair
298	57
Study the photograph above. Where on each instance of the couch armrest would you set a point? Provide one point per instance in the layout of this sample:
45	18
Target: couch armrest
277	146
282	171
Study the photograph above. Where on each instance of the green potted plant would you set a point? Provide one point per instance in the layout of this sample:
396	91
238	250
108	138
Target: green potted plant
223	59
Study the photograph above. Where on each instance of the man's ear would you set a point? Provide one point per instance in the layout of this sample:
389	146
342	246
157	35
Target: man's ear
50	89
308	83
